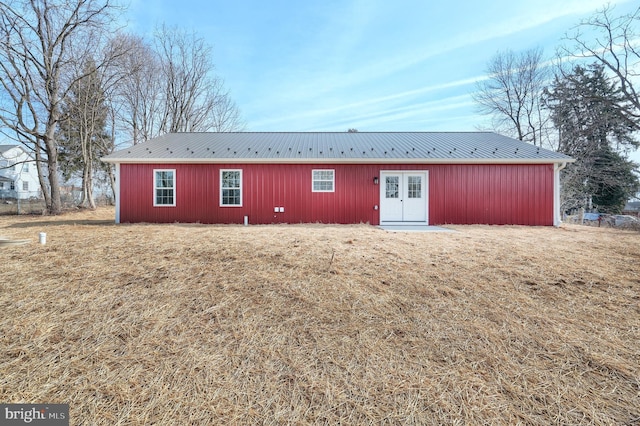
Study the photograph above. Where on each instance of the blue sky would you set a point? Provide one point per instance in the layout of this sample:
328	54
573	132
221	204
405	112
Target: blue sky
402	65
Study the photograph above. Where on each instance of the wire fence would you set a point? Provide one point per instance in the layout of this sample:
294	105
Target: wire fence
36	205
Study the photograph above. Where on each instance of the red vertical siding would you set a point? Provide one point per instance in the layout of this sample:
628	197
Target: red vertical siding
491	194
458	194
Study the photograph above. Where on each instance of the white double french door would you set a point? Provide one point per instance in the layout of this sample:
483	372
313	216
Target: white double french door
403	196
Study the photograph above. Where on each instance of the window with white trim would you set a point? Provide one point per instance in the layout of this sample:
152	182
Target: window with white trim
25	186
12	185
231	188
164	187
25	168
323	180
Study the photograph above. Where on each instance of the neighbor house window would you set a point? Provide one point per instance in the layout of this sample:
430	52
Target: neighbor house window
231	188
25	186
323	180
12	186
164	187
25	167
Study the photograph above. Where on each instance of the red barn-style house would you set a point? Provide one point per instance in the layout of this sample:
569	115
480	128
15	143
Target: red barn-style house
377	178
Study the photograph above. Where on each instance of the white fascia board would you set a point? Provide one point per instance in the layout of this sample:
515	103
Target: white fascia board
338	160
117	194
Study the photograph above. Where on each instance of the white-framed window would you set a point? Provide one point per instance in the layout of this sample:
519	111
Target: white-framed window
12	185
25	167
231	188
25	186
1	185
164	187
323	180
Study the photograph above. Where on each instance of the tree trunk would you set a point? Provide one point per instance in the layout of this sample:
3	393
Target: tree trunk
112	180
55	207
43	185
87	186
54	183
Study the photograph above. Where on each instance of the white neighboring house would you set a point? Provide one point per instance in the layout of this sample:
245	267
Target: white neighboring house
18	173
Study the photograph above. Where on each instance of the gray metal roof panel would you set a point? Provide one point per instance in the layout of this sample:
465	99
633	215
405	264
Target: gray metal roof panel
5	148
327	147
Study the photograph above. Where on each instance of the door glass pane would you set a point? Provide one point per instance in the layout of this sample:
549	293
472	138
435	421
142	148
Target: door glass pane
392	186
414	187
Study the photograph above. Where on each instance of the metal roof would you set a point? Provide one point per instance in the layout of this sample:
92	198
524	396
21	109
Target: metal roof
336	147
5	148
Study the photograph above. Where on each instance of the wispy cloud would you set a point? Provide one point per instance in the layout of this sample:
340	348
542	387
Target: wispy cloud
354	67
376	115
352	108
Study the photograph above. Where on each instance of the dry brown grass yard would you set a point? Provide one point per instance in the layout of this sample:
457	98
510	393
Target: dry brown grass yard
309	324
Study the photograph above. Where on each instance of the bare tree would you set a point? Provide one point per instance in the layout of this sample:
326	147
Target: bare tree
193	96
136	100
170	86
41	42
615	46
512	95
226	115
